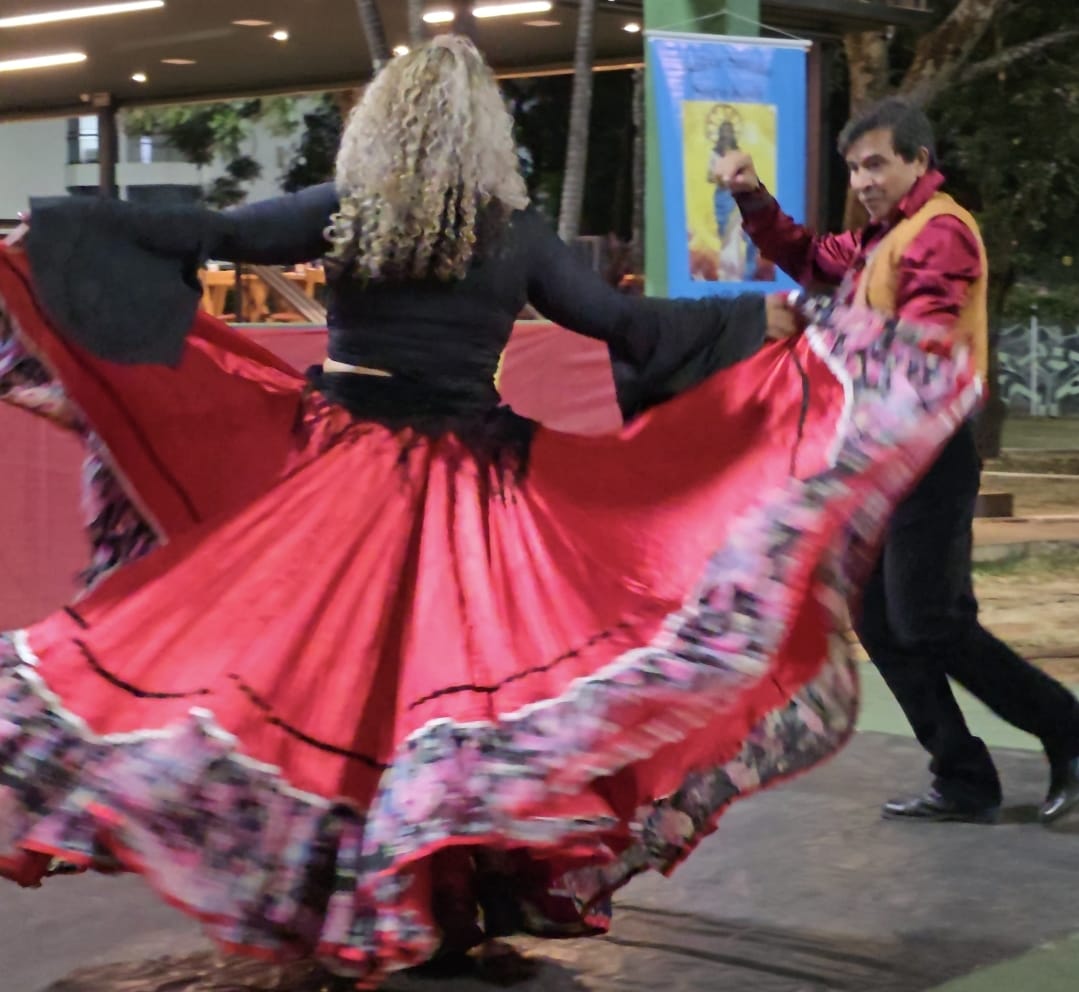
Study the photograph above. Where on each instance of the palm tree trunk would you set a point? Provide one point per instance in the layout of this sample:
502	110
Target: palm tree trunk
374	32
417	33
464	21
868	62
569	221
638	172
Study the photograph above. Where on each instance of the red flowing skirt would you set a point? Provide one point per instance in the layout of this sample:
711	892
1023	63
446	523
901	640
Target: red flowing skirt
356	648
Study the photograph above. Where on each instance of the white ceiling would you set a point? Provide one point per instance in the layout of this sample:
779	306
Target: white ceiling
326	47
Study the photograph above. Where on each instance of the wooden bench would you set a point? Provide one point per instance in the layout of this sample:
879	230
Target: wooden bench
994	504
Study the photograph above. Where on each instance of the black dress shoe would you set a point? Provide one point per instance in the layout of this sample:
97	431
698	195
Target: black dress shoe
445	965
1063	794
935	808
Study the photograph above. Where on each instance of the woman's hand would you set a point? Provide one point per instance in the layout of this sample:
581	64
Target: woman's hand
780	319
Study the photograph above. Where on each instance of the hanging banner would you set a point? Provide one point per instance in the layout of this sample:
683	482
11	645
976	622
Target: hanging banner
715	94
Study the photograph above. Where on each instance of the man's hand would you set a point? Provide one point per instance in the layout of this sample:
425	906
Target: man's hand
15	237
735	171
780	320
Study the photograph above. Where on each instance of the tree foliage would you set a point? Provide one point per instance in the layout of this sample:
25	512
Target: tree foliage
1011	141
540	109
315	155
203	133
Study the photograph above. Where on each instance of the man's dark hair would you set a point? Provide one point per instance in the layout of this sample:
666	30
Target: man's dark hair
910	128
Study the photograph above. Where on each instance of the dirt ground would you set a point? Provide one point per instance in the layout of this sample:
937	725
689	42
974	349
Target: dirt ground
1033	604
1036	447
1044	433
1043	496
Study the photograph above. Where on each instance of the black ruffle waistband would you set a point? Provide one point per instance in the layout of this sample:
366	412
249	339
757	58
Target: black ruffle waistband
403	398
494	434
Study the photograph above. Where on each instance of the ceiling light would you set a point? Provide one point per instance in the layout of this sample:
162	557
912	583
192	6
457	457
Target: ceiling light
178	61
280	36
510	9
252	24
77	13
139	77
633	27
492	10
542	24
401	49
42	61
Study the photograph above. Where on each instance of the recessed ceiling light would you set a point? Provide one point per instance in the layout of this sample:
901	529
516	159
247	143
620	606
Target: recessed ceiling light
77	13
492	10
42	61
139	77
253	24
401	49
178	61
542	24
510	9
280	36
633	27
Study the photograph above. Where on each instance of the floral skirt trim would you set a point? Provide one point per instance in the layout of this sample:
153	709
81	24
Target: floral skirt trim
118	532
25	381
791	740
280	873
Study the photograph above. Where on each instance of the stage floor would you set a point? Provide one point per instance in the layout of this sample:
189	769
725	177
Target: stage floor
803	889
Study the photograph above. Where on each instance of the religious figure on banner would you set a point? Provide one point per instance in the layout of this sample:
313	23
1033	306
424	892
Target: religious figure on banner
719	250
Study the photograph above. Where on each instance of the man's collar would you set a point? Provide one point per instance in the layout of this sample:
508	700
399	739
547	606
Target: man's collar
918	195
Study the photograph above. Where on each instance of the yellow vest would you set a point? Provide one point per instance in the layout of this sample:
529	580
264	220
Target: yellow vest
879	283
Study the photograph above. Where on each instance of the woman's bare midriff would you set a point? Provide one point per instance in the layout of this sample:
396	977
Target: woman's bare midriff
329	365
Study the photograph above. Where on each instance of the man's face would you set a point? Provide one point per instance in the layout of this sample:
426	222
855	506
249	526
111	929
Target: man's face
879	175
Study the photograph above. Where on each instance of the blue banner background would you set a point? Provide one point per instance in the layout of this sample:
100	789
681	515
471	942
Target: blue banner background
722	70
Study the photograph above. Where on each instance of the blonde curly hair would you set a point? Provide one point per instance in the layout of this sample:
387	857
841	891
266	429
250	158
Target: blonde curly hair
426	153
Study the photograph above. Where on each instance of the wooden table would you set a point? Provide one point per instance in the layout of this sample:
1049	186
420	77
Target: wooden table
255	306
